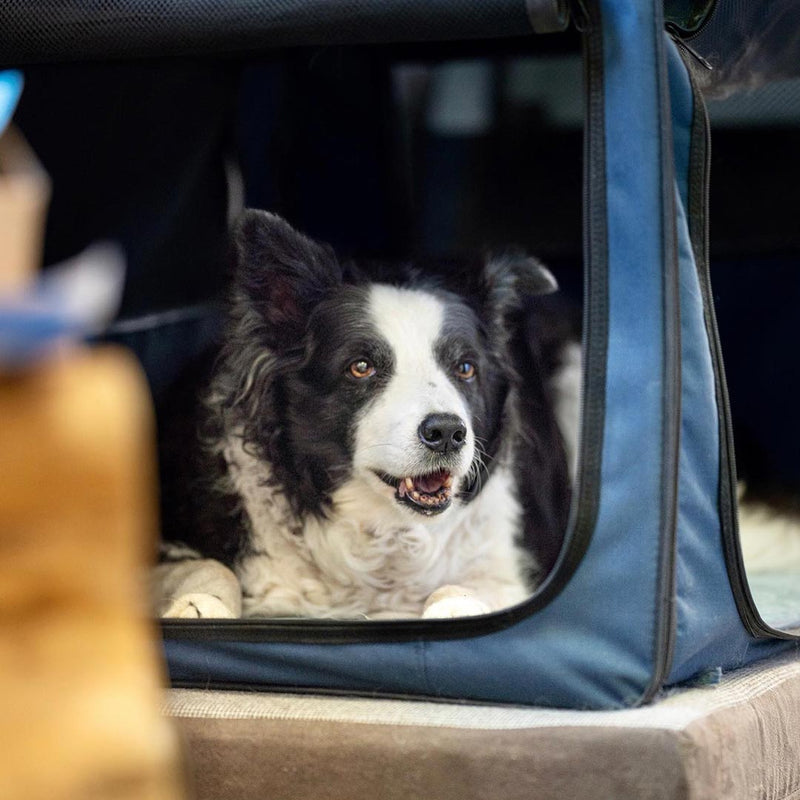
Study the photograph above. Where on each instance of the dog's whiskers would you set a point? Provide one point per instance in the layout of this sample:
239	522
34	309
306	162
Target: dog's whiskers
380	444
476	470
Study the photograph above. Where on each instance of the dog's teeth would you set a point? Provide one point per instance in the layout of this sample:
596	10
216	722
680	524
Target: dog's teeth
409	484
448	482
415	495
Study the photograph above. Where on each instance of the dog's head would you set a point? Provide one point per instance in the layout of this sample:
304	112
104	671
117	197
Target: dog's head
395	392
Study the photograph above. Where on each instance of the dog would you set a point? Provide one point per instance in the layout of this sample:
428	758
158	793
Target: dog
369	449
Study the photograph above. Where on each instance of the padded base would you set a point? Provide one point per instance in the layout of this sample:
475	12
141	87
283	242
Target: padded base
736	739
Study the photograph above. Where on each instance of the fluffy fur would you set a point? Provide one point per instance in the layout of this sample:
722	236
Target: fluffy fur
363	444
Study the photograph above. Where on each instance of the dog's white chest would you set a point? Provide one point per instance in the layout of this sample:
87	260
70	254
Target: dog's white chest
368	562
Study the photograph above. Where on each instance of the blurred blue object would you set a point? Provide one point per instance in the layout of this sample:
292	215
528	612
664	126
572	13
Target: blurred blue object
10	90
73	300
27	333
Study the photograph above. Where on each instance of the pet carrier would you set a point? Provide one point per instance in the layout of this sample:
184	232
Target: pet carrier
649	589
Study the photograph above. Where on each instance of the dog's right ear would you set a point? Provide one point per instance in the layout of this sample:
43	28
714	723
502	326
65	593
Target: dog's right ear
281	275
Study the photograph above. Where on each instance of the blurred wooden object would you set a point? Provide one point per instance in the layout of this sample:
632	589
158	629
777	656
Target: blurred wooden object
79	676
24	196
80	683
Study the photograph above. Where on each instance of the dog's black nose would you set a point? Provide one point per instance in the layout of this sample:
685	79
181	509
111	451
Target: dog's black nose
443	432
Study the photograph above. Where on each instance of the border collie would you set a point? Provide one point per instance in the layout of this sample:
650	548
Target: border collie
362	444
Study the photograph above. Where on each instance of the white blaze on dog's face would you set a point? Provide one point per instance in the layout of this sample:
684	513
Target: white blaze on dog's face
415	440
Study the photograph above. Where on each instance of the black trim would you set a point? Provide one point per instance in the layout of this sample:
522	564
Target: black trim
335	632
699	182
664	639
586	498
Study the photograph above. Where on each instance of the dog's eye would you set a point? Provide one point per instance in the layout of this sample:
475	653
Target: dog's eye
465	371
361	368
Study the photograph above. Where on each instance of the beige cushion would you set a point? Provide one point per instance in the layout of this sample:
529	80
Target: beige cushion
737	739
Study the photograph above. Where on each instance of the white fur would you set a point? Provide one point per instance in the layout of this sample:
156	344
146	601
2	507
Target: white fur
770	541
196	588
453	601
198	605
377	563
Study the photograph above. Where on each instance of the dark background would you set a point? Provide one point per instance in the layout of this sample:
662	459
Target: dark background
339	141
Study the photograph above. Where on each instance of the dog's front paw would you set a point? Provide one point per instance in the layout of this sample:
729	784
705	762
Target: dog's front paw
195	589
453	601
198	605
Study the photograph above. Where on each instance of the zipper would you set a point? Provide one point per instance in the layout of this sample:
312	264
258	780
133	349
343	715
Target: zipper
595	311
688	35
683	44
682	38
665	632
700	164
586	497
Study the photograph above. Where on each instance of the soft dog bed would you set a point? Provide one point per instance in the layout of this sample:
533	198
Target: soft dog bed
735	738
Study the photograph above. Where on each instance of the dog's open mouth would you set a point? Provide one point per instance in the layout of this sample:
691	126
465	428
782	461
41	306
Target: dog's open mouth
429	494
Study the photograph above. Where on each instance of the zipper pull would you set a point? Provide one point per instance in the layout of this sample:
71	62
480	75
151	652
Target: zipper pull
676	37
580	16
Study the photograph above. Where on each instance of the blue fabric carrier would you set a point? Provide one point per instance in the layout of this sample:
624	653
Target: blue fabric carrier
649	589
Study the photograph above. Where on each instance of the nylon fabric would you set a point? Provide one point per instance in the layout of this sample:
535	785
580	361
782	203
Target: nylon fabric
607	612
709	630
61	30
674	711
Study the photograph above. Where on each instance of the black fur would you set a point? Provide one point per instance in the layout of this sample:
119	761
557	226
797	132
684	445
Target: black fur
529	329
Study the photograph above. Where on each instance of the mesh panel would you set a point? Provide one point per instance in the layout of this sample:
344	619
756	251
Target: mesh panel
750	43
770	105
59	30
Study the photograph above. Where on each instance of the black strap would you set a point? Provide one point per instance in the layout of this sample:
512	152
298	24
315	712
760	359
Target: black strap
64	30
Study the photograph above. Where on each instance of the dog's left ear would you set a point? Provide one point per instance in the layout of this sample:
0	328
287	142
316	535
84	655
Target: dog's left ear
508	281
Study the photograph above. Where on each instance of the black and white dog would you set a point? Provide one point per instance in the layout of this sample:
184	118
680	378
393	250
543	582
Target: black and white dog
370	449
